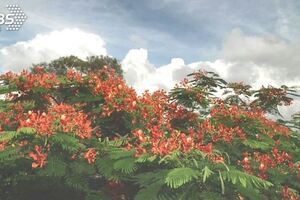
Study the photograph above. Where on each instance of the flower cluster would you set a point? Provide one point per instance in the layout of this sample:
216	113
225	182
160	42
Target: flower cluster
74	75
287	194
42	122
117	95
226	133
69	119
72	120
26	81
262	162
9	118
91	155
40	158
271	95
239	115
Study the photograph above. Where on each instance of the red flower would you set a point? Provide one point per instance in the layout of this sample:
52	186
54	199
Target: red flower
206	148
140	135
39	157
91	155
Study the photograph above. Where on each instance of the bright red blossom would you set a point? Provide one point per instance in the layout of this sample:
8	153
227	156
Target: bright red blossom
40	158
70	121
91	155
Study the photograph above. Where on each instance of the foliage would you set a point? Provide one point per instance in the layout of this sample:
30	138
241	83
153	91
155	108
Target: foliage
75	130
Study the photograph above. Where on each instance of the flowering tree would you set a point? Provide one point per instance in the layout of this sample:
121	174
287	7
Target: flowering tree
90	136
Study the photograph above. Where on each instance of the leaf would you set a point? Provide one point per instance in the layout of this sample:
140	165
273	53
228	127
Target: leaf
148	178
246	180
67	142
9	153
206	173
7	89
81	167
146	158
126	165
251	193
7	135
105	166
255	144
121	153
55	167
179	176
77	182
26	131
243	181
150	192
222	183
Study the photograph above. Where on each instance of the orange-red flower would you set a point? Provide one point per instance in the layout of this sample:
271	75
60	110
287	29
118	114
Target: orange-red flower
40	158
91	155
70	121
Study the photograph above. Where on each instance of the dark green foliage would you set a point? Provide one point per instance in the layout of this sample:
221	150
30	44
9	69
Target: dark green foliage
92	63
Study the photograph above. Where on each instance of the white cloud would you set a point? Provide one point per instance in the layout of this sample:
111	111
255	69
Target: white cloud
141	74
254	60
46	47
259	57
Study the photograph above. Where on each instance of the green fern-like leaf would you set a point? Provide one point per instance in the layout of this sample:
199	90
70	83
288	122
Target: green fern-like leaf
7	135
153	186
10	154
146	158
251	193
67	142
148	178
206	173
26	131
10	135
179	176
246	180
150	192
120	153
104	165
119	142
77	182
81	167
7	89
255	144
55	167
125	165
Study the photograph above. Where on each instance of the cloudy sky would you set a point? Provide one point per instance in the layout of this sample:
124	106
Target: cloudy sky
159	41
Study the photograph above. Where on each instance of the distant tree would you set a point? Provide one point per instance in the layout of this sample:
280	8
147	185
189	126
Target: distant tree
91	64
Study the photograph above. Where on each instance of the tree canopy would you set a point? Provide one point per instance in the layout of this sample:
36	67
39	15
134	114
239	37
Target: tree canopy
74	129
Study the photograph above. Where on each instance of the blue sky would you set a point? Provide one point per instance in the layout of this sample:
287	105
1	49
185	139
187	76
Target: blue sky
191	29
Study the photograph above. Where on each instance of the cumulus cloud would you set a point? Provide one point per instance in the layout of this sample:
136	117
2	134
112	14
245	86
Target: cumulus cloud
256	58
46	47
142	75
